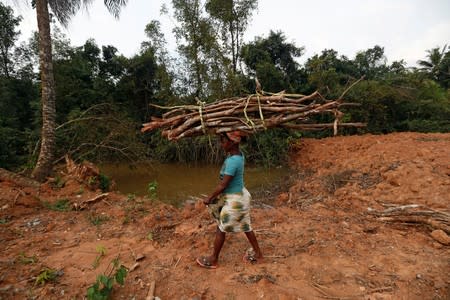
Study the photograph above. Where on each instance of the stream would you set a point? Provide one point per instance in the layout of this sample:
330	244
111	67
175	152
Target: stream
177	182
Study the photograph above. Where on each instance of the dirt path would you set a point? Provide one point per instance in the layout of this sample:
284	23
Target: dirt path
321	238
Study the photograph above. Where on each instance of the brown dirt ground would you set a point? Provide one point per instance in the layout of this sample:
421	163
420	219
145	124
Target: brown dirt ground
318	236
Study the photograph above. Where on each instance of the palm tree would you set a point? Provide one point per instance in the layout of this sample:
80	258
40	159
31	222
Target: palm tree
433	66
63	10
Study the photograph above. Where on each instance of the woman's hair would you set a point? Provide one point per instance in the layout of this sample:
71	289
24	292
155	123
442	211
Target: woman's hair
235	136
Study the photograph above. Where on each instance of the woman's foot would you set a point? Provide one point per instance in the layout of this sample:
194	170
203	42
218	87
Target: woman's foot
206	262
250	256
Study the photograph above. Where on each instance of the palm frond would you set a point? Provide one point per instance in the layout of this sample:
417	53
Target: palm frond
114	6
64	10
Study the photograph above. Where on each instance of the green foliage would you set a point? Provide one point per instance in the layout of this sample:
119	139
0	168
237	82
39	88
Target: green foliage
16	117
103	97
97	219
8	36
102	181
268	148
232	18
272	60
196	44
4	220
45	276
105	182
59	182
424	107
437	66
103	286
92	181
152	190
102	133
200	149
59	205
24	259
101	250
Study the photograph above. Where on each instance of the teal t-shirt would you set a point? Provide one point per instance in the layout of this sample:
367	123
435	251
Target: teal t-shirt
233	166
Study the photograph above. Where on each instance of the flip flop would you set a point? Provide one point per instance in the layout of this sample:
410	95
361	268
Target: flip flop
205	263
248	258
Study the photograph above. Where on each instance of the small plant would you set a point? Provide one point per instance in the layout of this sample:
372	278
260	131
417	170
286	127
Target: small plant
4	220
92	180
152	189
59	182
101	181
131	197
126	219
103	286
80	191
59	205
101	250
104	182
23	259
97	219
45	276
150	236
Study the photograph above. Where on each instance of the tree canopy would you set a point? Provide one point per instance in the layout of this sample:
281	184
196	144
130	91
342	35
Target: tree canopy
102	97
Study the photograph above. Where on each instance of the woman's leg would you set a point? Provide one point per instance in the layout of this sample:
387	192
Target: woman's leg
218	243
252	239
210	262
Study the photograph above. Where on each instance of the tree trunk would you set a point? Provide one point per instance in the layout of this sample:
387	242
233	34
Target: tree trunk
46	154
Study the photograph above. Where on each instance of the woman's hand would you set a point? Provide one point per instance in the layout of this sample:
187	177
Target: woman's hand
219	189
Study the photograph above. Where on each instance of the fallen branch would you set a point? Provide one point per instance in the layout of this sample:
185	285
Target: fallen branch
20	192
85	203
415	214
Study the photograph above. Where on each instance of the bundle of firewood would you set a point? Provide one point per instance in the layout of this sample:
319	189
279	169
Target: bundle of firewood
250	114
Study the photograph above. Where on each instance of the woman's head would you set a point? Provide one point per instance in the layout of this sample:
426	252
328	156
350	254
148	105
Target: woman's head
231	139
234	136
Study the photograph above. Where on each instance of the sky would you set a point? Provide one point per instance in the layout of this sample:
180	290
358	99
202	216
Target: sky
405	28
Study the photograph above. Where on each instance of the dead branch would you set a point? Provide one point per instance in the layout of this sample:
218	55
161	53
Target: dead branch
415	214
85	203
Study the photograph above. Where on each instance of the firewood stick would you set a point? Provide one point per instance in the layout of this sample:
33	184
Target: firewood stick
151	291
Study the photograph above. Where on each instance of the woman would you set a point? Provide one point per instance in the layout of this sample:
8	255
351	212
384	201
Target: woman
230	203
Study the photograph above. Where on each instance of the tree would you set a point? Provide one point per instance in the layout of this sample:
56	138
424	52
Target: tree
158	46
371	63
272	60
437	67
8	36
63	10
196	42
233	17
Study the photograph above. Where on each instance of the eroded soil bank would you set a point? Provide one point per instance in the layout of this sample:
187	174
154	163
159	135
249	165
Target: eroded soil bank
324	237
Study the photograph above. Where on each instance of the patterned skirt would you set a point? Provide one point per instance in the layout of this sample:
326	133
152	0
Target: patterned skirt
232	212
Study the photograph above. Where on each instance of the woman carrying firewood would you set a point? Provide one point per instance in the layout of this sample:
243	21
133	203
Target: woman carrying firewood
229	204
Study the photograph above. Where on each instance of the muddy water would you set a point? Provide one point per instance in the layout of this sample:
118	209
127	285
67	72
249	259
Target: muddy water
177	183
